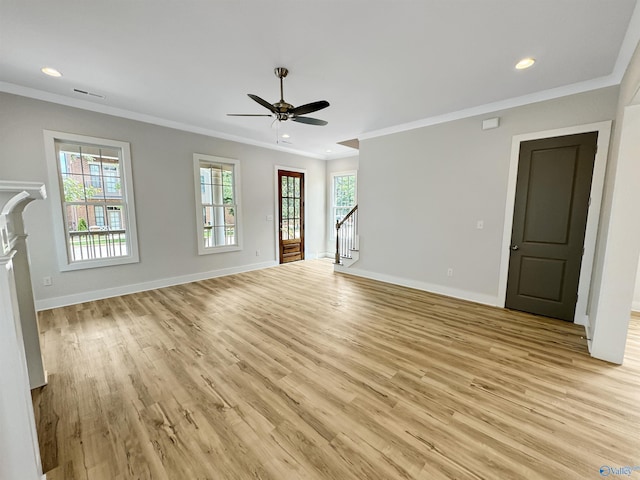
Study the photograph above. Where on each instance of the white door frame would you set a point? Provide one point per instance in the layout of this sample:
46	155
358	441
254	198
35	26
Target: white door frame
593	214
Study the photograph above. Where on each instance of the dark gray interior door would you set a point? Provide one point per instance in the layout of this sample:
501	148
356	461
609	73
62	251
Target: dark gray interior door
549	222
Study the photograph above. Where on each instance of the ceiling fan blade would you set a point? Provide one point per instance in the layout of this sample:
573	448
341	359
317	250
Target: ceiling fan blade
309	120
249	115
309	107
262	102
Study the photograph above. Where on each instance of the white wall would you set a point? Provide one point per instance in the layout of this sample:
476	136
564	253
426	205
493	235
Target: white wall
162	161
339	165
612	309
619	235
421	193
635	306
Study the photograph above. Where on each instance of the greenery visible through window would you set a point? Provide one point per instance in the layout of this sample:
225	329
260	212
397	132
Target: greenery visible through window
344	195
94	206
218	204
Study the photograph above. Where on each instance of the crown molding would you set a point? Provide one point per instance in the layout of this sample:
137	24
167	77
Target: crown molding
141	117
493	107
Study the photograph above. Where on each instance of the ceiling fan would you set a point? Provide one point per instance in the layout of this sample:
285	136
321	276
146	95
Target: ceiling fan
285	111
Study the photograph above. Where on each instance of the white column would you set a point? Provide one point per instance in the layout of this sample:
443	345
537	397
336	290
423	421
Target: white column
611	321
14	197
18	438
28	315
19	450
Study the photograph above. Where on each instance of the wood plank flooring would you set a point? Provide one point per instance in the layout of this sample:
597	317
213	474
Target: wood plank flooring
296	372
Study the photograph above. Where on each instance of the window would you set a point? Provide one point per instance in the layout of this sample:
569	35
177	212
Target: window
111	180
99	213
344	195
95	223
94	170
115	218
217	203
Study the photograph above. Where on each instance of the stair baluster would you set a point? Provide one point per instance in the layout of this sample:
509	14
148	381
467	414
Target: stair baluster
346	235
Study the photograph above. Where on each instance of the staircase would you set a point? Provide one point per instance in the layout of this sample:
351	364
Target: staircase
347	240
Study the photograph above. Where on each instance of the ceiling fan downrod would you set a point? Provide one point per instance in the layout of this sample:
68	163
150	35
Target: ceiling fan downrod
282	106
281	72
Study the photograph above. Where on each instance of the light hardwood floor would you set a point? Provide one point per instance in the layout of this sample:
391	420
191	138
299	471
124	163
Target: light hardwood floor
295	372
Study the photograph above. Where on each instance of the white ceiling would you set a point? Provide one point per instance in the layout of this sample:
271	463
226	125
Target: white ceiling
381	64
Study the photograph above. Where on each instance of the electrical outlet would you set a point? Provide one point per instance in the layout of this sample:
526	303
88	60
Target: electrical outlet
47	281
450	272
480	224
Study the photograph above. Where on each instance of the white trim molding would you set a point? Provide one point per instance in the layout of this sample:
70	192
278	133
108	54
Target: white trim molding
20	354
475	297
331	228
593	216
198	160
129	211
55	302
535	97
141	117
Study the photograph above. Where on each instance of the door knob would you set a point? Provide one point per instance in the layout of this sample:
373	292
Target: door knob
515	247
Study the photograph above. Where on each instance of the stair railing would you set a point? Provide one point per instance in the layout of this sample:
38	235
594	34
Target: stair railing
346	233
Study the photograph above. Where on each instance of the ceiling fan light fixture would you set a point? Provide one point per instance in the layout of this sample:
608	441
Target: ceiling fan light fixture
283	111
52	72
525	63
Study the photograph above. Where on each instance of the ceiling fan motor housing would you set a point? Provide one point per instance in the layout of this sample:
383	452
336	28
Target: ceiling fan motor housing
283	109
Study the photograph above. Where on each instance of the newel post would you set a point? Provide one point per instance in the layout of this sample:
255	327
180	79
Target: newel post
337	257
20	356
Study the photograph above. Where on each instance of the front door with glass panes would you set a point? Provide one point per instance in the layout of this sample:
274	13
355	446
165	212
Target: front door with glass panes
291	215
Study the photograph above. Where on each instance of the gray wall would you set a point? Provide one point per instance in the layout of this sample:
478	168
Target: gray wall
162	161
421	193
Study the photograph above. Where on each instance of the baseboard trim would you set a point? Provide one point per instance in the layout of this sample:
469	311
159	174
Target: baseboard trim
584	321
427	287
90	296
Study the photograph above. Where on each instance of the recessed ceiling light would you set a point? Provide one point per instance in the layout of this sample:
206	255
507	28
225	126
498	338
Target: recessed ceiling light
328	151
52	72
285	135
525	63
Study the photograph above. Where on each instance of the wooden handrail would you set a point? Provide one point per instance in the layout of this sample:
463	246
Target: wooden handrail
339	224
346	217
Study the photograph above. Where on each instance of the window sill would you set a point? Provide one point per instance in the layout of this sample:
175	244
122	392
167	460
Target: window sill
221	249
108	262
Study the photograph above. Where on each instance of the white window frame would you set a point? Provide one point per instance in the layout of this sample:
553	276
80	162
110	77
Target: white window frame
198	159
128	202
332	208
